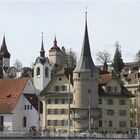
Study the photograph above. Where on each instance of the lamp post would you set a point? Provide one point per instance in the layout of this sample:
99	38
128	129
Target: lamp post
89	109
69	108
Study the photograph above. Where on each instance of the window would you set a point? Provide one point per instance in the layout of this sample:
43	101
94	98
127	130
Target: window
49	122
49	101
64	88
110	112
1	120
110	101
63	101
100	123
122	124
110	124
56	101
79	75
24	121
100	101
38	71
24	107
115	89
122	102
56	88
56	111
91	74
109	88
122	112
46	72
31	107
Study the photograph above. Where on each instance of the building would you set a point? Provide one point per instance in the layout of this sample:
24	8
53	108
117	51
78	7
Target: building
131	78
86	100
18	104
42	70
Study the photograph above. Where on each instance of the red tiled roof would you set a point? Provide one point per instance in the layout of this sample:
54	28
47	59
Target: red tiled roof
10	92
104	78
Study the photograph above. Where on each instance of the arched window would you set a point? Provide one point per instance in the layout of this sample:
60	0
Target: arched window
46	72
24	121
38	71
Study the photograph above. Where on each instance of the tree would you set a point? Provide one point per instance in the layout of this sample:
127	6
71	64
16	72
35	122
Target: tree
118	63
104	58
18	64
70	59
138	57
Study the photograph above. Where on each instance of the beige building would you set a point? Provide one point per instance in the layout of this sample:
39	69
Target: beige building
97	101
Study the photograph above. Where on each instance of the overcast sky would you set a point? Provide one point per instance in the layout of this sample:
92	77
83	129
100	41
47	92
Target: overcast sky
108	21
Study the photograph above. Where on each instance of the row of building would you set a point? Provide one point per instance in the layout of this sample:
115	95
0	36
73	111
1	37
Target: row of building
58	98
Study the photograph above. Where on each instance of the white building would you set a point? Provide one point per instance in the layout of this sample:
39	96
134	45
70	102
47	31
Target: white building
18	104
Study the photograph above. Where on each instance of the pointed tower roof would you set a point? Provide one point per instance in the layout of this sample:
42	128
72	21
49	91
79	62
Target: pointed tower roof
55	47
3	50
42	51
85	62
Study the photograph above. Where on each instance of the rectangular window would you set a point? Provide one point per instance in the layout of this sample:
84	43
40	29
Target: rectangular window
100	101
31	107
56	88
64	88
24	107
49	122
63	101
110	112
115	89
100	123
110	101
56	101
122	102
110	124
122	112
109	89
1	120
122	124
49	101
55	111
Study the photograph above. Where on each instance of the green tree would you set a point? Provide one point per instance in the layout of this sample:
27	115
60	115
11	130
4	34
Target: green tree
118	63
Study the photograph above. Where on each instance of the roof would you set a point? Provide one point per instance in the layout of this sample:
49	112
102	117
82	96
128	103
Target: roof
85	62
33	99
10	92
104	78
55	47
3	50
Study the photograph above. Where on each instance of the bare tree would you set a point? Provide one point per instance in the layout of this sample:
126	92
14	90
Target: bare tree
70	59
18	64
138	57
104	58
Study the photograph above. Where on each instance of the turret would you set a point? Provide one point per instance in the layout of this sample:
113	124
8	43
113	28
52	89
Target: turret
85	78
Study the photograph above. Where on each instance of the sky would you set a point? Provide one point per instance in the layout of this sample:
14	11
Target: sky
108	21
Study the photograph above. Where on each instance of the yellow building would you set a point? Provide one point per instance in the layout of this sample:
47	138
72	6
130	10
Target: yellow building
97	101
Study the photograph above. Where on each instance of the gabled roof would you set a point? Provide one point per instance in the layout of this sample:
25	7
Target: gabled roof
10	92
104	78
3	50
34	101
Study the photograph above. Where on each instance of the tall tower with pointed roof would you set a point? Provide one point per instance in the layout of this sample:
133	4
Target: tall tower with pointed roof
55	56
42	70
85	78
4	55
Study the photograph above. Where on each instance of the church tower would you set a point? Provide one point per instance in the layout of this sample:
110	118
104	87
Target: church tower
4	55
85	78
55	56
42	70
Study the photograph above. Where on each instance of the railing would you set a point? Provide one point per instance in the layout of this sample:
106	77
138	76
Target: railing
22	134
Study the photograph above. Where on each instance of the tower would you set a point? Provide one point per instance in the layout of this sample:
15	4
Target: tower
42	70
85	78
4	55
55	56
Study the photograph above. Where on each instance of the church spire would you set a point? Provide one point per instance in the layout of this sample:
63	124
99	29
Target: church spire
3	49
85	62
42	52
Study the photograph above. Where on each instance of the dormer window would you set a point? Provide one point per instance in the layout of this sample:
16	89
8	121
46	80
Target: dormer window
38	72
109	89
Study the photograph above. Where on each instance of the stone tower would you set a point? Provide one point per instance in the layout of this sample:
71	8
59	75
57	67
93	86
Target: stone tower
4	55
55	56
42	70
85	78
